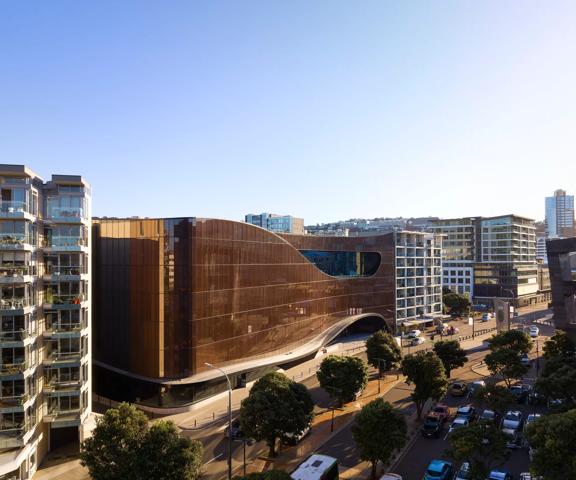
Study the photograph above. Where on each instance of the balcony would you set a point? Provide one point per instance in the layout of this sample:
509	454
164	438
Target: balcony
14	304
66	215
16	241
62	274
15	209
60	329
61	386
17	401
66	244
55	357
18	367
16	274
12	433
54	301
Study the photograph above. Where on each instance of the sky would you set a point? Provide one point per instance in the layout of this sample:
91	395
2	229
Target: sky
323	109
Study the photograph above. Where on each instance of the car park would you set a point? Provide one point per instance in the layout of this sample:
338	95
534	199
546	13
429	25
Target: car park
534	331
457	423
520	392
458	389
466	411
513	438
490	416
417	341
499	475
438	470
463	472
442	410
513	420
475	386
433	426
414	333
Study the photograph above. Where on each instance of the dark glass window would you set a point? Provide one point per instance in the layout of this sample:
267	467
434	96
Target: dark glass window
344	264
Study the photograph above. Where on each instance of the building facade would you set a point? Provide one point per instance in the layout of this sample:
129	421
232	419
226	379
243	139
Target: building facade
560	215
541	254
45	316
562	264
277	223
174	294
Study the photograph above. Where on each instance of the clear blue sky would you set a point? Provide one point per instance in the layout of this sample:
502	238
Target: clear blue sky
322	109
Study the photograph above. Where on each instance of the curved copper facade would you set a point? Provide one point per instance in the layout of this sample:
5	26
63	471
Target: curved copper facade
172	294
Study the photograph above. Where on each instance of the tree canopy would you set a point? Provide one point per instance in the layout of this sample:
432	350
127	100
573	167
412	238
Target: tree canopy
552	438
480	444
124	447
559	345
496	397
343	377
378	431
559	384
505	356
456	302
451	354
515	340
382	346
426	372
269	475
276	406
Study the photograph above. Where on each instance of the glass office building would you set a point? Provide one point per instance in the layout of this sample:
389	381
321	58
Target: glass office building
560	215
276	223
44	316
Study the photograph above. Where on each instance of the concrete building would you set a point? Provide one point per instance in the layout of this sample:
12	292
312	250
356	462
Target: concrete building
541	248
490	257
562	263
277	223
560	215
45	316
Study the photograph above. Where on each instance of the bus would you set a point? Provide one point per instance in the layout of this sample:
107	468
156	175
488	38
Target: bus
317	467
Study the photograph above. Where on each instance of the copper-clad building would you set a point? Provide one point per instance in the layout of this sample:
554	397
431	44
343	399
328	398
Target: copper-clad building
172	294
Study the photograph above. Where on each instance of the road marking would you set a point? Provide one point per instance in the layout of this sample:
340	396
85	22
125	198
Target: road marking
215	458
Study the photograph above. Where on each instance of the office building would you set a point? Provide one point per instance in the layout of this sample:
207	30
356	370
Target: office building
45	316
541	248
562	264
173	294
490	257
277	223
560	215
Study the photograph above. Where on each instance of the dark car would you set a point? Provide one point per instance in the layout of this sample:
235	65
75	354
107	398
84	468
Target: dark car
458	389
490	416
466	411
536	398
237	433
432	426
520	392
442	410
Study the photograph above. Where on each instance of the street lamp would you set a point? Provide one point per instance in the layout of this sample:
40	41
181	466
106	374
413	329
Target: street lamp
229	417
381	368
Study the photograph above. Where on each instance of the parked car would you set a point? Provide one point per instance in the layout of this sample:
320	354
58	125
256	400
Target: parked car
391	476
474	387
442	410
458	389
294	439
534	331
442	328
237	433
513	438
438	470
529	476
457	423
414	333
466	411
499	475
486	317
531	418
463	472
417	341
536	398
520	392
525	360
433	426
490	416
513	420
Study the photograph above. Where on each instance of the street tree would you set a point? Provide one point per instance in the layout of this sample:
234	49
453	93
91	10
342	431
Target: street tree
382	348
552	438
268	475
559	384
343	377
456	302
496	397
167	455
507	364
111	453
481	444
514	340
276	406
378	431
559	346
426	372
451	354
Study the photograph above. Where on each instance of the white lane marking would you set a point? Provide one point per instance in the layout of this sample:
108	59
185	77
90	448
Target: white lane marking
215	458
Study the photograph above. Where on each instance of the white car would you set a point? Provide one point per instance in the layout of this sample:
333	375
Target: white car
459	422
513	420
534	331
417	341
463	472
531	418
391	476
414	333
525	359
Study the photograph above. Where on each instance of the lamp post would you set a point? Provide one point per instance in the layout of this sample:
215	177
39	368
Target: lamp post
229	418
381	368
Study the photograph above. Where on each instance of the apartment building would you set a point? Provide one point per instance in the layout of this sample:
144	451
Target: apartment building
276	223
45	316
560	215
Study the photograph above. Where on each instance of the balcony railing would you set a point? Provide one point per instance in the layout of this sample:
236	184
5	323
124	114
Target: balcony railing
15	401
14	303
63	386
15	271
15	335
74	299
75	270
14	239
13	207
13	429
19	366
58	327
62	241
56	356
66	213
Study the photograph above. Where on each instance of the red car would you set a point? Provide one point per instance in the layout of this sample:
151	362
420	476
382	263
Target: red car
441	410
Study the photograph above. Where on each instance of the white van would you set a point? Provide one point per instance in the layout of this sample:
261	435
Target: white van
317	467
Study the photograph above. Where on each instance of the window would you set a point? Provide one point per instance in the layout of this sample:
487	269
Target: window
344	264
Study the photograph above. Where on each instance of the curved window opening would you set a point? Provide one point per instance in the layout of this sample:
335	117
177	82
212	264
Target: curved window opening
344	264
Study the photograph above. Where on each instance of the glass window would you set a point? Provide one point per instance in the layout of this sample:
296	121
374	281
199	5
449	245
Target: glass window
344	264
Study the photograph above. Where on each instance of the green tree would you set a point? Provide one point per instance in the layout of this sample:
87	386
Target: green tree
481	444
552	438
382	346
426	372
378	431
515	340
111	453
559	346
451	354
269	475
560	384
275	407
456	302
343	377
507	364
496	397
167	455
